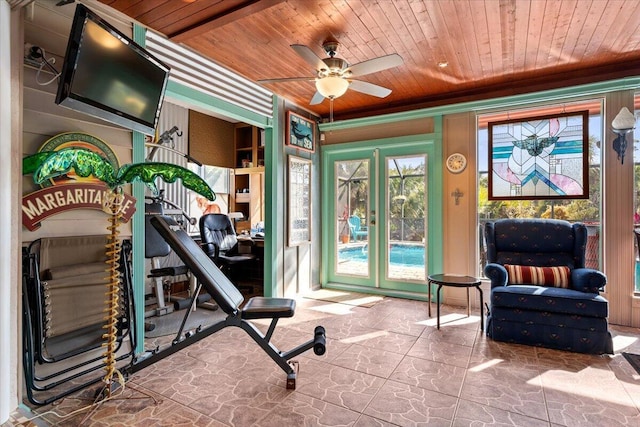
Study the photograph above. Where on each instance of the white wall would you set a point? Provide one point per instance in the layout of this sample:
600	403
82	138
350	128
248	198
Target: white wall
47	26
34	118
300	264
10	124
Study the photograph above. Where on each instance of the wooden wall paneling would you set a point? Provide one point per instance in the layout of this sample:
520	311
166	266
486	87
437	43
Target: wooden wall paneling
211	140
380	131
256	205
459	231
635	312
475	232
617	233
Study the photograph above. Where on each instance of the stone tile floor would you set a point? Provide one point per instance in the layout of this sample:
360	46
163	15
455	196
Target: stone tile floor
386	365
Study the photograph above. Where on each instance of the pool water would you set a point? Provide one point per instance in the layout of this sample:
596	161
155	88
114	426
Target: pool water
401	254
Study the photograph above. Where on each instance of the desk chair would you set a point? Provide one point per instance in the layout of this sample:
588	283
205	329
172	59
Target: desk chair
220	243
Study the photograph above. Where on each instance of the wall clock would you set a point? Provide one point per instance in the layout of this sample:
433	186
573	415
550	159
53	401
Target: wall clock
456	162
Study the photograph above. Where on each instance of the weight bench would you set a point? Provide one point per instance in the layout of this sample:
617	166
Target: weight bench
229	299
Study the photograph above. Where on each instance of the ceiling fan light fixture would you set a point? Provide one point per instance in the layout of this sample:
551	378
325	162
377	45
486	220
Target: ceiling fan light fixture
332	87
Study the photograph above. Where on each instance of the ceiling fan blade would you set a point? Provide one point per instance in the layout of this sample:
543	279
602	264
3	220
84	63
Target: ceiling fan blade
369	88
374	65
309	56
287	79
317	99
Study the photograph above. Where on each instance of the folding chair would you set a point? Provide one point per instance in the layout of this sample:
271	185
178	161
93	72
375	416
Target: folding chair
64	281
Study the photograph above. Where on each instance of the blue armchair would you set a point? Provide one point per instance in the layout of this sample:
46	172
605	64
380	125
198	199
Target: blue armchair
541	293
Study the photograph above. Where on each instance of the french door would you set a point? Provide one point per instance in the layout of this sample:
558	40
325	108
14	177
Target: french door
378	200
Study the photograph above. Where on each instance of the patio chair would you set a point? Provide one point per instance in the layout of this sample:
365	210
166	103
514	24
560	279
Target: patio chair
357	230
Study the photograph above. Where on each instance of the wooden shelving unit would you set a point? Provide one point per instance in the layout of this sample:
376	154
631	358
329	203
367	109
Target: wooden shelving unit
248	176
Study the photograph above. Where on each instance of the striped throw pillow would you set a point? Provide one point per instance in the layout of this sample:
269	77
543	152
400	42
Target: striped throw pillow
543	276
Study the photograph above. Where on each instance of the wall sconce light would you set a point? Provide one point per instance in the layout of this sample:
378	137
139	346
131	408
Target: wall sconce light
622	124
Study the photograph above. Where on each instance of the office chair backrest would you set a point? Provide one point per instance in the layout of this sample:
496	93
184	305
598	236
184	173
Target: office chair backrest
154	244
217	229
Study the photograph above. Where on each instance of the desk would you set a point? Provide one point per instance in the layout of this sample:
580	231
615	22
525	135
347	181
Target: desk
255	246
456	282
258	241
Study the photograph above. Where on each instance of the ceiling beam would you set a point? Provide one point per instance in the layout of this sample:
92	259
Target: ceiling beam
238	12
540	83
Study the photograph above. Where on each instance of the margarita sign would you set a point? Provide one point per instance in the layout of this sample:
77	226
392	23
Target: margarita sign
41	204
69	191
81	162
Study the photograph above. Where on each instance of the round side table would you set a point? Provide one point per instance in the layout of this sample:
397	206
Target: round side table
456	282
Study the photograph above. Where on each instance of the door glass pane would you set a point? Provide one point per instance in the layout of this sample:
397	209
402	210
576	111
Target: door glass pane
636	215
352	207
406	218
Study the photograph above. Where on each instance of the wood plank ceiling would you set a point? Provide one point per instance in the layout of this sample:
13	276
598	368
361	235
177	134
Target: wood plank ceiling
491	48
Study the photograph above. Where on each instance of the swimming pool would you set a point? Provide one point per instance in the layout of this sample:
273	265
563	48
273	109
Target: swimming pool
401	254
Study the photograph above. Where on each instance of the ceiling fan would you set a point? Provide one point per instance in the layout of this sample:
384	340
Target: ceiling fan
334	75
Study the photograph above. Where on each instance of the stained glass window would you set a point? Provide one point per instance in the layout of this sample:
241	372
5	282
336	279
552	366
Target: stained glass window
543	157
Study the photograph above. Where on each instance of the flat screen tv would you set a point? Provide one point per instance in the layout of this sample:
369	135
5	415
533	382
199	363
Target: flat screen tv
109	76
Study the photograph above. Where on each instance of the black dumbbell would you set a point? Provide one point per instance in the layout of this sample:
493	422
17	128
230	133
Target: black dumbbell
320	341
